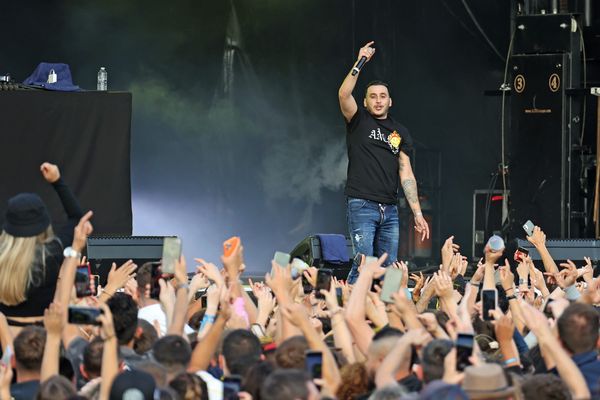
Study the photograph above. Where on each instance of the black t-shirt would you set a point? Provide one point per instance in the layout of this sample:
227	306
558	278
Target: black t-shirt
374	147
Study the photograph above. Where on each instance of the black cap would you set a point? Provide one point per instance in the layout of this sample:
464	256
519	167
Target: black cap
133	385
26	216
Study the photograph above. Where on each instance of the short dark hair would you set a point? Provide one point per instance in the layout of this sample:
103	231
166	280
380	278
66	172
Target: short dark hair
387	332
92	358
190	387
29	348
255	377
124	312
144	341
241	349
285	384
432	359
143	276
55	387
544	387
172	352
290	353
578	328
377	83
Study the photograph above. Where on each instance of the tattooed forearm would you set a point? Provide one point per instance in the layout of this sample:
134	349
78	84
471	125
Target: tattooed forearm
400	165
410	190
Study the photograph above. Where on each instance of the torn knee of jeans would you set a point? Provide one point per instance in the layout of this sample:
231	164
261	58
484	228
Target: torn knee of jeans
358	237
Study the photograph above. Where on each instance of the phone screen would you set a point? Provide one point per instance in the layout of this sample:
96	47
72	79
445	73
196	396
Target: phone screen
171	253
323	282
489	301
521	253
231	387
340	296
84	315
391	284
82	281
359	259
314	364
464	349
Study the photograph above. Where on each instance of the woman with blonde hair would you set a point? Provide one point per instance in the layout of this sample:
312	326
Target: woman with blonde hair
31	253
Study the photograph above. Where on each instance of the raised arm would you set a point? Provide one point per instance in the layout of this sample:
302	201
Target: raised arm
538	239
110	359
297	315
348	104
181	302
205	348
355	310
66	276
54	324
51	174
409	185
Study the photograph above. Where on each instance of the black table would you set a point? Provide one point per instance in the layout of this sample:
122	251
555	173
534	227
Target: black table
88	134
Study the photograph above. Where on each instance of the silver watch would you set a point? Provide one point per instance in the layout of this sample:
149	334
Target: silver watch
71	252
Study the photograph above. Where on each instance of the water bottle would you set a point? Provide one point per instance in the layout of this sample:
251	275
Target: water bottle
102	79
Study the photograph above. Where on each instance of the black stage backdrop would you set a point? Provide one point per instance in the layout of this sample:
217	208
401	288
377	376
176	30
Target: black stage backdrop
86	134
236	126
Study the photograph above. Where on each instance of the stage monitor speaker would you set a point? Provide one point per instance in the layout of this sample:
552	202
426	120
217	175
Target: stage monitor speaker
102	251
309	251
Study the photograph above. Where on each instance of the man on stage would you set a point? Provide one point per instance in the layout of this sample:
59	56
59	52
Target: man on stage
377	163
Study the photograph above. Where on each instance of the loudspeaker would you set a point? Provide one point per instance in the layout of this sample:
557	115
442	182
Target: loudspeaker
102	251
309	251
544	128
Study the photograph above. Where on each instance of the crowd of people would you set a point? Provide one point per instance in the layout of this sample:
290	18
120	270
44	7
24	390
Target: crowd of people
200	334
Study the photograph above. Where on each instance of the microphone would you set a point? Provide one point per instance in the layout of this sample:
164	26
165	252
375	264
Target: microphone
356	69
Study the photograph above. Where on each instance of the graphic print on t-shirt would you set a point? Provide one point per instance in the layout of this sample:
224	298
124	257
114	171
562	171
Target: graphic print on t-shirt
393	139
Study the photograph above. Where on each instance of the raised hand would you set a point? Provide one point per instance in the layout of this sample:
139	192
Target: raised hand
296	314
311	275
118	277
281	280
419	281
54	320
538	239
233	263
443	285
567	277
401	265
209	270
266	301
507	278
479	272
106	322
50	172
181	271
448	250
366	51
504	327
331	298
83	229
587	272
374	268
429	321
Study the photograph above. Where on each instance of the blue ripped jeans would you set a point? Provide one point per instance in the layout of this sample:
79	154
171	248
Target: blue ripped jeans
374	229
